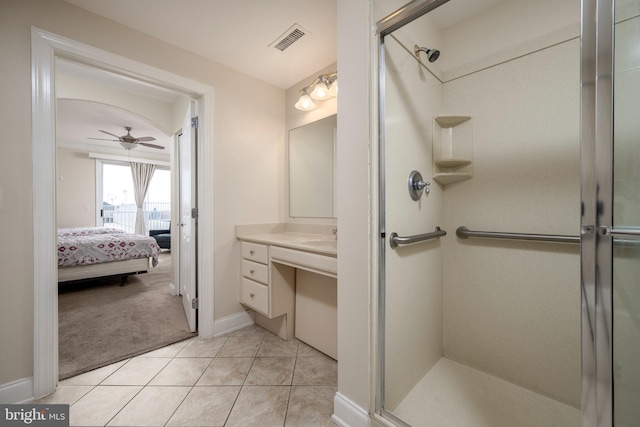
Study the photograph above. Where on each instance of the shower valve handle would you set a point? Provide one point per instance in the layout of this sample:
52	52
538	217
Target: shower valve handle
421	185
417	186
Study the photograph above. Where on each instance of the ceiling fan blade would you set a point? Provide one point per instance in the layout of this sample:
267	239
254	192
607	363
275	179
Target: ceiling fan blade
105	139
160	147
109	133
146	138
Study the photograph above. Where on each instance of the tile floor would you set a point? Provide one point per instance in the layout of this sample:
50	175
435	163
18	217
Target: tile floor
249	377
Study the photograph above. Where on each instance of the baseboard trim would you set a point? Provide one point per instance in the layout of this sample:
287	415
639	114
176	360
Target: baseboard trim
233	322
348	414
19	391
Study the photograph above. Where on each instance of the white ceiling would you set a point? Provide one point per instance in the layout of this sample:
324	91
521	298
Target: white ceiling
236	33
77	121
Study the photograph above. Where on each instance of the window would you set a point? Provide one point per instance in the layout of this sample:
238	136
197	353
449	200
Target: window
119	202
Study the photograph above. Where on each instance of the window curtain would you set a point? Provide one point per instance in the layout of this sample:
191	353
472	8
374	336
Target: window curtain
142	174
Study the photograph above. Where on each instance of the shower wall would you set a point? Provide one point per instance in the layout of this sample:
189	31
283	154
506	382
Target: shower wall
512	309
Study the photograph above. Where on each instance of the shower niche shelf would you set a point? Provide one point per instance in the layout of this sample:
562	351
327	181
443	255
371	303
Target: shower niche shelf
452	149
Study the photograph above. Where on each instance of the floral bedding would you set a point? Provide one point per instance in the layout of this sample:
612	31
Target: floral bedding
84	231
81	247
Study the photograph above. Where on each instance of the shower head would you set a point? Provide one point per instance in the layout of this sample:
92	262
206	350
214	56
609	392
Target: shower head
432	54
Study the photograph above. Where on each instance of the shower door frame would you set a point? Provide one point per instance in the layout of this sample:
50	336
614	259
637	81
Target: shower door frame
384	27
596	222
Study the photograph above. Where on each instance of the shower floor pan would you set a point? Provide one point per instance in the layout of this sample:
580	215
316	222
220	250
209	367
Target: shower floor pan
452	394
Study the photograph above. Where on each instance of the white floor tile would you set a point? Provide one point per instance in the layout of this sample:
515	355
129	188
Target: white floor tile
94	377
137	371
66	394
205	407
101	405
182	371
153	406
168	351
197	347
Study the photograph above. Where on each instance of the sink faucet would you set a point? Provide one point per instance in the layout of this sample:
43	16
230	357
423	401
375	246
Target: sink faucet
334	231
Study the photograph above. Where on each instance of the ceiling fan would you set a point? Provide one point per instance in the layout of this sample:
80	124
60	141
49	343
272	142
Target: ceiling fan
128	142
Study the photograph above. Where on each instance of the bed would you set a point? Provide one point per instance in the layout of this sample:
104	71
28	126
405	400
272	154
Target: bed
92	252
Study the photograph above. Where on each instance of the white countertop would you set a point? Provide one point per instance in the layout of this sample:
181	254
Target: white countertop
316	243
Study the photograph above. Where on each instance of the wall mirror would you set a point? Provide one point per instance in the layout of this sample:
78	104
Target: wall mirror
312	159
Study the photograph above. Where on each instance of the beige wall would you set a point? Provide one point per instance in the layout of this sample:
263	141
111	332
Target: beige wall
248	137
76	189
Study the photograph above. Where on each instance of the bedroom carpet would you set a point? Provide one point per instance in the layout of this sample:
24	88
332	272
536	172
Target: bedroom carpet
101	322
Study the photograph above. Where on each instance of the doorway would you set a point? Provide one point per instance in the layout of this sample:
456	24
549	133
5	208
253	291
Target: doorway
98	325
45	48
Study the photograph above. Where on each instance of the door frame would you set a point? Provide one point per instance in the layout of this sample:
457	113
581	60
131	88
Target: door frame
45	47
406	14
596	222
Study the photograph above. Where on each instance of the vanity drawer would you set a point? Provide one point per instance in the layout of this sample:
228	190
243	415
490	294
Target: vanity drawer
255	252
253	270
255	295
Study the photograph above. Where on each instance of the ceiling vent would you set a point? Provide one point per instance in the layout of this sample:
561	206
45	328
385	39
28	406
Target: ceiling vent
289	37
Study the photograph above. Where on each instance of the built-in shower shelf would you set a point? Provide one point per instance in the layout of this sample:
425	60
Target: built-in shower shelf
450	178
452	163
452	149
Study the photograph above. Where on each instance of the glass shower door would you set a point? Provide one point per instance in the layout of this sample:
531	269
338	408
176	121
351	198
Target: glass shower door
626	215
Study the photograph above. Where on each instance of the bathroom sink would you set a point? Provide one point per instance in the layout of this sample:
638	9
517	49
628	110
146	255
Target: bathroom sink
321	243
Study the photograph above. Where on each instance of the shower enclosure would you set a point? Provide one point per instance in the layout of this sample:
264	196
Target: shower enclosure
509	215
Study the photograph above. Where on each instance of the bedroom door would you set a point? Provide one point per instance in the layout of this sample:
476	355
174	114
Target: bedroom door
188	217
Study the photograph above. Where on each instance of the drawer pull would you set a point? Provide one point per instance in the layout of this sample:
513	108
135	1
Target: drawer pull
252	295
252	271
251	252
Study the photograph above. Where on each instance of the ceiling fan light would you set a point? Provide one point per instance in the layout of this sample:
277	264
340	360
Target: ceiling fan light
320	91
128	145
305	103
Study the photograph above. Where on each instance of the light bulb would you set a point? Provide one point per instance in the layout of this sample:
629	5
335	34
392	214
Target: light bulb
333	90
320	91
305	103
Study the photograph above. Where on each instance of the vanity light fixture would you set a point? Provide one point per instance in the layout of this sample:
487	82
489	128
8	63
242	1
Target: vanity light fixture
325	86
305	103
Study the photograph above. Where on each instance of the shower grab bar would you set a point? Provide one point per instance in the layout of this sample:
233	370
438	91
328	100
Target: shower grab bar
396	240
464	233
618	232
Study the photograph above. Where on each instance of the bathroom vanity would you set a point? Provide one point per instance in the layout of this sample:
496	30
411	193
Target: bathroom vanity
288	276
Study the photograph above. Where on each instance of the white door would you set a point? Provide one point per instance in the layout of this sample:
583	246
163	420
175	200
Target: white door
187	228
